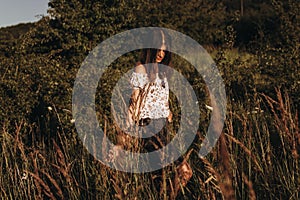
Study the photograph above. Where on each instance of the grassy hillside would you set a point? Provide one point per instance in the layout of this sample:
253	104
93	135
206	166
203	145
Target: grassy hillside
257	155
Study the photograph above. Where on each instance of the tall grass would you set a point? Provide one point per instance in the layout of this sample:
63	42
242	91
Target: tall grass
256	157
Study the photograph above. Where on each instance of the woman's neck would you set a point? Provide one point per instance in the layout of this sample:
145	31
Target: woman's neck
155	68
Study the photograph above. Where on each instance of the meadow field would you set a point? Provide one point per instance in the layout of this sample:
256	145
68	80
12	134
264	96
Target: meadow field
256	156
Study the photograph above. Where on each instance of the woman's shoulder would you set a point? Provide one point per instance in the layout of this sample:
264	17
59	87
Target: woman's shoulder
140	68
139	77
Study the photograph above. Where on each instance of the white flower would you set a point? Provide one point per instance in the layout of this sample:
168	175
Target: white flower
50	108
209	107
24	176
72	121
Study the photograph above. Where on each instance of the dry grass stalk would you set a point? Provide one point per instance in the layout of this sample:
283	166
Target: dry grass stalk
226	183
55	184
285	123
17	139
47	189
119	192
246	150
18	143
3	193
214	176
61	157
63	167
252	195
37	183
296	141
163	189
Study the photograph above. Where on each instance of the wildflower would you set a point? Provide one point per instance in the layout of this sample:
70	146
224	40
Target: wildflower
209	107
24	176
50	108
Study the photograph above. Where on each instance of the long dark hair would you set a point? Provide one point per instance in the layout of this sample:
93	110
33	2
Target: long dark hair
148	56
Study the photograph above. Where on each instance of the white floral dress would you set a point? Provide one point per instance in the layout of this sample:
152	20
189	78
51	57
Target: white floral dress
156	103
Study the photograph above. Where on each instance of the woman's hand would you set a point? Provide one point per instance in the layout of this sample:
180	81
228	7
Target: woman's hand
129	121
170	117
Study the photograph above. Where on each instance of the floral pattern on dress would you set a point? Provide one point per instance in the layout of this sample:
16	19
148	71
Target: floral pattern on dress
138	80
156	103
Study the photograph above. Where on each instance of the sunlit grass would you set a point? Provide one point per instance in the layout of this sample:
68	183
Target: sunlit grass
257	154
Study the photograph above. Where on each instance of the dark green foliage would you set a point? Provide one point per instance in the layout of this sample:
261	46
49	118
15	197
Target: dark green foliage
9	37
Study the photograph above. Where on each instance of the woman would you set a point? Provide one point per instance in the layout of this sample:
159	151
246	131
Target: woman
150	79
149	105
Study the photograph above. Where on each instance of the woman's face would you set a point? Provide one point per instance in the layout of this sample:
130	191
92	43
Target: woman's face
160	54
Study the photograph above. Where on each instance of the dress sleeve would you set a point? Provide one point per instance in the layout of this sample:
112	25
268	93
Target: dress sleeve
138	80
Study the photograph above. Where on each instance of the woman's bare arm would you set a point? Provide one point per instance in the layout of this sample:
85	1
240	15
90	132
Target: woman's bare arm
135	93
